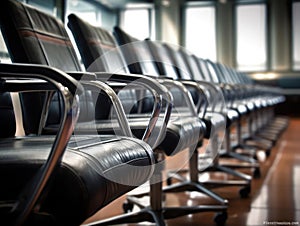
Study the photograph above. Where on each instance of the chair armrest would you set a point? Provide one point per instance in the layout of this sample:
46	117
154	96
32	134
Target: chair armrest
68	89
184	91
216	100
97	86
163	101
202	104
45	73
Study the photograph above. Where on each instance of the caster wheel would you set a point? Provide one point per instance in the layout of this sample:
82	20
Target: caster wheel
127	207
220	218
244	192
256	173
169	181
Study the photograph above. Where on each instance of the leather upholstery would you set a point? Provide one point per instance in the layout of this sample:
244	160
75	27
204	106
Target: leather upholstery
92	43
94	171
136	54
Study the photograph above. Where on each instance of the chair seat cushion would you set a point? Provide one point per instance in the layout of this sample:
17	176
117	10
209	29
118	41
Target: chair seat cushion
94	171
182	132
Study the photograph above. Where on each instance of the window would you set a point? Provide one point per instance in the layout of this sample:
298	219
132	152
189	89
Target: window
296	36
138	22
4	56
251	50
85	11
46	6
200	33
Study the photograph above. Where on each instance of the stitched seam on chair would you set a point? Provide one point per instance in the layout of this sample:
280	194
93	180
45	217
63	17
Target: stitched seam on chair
96	42
35	34
45	37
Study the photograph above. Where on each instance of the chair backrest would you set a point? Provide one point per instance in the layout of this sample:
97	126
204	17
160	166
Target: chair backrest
136	53
93	42
190	59
35	37
203	67
178	61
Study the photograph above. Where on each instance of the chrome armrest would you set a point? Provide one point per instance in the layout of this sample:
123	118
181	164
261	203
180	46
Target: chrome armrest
215	97
69	89
163	101
203	102
185	92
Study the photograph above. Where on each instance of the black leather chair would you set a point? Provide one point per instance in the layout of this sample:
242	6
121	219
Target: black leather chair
61	179
98	50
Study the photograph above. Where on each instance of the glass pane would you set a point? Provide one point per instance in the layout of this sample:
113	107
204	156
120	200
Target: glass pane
251	37
84	10
200	34
296	35
46	6
4	56
136	23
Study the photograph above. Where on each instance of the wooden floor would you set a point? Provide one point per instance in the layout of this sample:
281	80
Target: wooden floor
274	199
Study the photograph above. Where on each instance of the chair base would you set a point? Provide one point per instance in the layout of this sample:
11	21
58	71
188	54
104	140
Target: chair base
247	160
184	185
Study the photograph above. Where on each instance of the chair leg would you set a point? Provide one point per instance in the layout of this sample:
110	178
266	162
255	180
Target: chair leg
245	161
193	184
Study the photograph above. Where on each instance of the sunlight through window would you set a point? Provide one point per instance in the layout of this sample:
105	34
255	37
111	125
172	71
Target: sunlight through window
200	34
251	37
137	23
296	35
